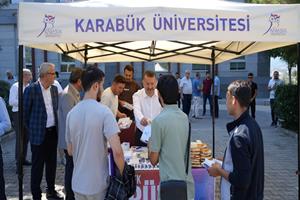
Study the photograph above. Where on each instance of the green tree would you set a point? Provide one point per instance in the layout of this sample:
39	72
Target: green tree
289	53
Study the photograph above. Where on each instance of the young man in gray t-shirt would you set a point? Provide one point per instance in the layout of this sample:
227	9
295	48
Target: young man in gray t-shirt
88	128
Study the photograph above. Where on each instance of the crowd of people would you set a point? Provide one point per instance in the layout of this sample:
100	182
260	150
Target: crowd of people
84	127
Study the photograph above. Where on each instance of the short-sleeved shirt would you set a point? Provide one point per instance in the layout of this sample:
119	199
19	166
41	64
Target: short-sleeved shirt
109	99
217	85
186	85
274	83
253	86
89	125
169	135
196	87
207	86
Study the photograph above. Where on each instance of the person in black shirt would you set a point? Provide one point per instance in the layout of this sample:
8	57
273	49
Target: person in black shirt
253	86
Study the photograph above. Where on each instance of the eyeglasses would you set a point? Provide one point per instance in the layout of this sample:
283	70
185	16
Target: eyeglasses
53	73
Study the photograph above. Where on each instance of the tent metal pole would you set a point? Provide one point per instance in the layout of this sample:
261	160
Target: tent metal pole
298	85
85	56
20	121
213	99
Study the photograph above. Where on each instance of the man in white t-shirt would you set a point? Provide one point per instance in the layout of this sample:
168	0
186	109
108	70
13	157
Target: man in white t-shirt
272	86
88	128
110	96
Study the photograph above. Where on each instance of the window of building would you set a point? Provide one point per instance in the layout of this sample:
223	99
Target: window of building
201	67
235	66
28	58
67	63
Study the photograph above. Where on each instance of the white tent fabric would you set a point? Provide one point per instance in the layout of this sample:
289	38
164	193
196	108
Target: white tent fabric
164	31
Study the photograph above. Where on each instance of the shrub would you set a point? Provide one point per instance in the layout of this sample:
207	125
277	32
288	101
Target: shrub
286	106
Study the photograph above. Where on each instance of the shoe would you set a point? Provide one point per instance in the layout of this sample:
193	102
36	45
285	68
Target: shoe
26	163
272	124
53	195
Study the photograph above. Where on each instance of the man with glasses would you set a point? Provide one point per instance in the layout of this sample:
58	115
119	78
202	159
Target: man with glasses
253	86
40	114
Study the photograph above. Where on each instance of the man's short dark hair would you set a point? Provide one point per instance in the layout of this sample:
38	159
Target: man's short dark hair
75	75
119	79
250	74
90	76
168	88
148	73
129	68
241	91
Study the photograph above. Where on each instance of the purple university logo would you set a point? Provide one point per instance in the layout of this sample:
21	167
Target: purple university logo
48	29
274	23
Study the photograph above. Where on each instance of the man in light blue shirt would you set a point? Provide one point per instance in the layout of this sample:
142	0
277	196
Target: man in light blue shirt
195	110
217	85
5	125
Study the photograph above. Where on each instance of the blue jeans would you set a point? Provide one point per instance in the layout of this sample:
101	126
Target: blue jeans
186	103
205	97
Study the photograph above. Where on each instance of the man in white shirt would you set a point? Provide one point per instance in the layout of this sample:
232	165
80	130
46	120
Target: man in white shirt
57	84
146	105
186	87
110	95
272	86
90	125
14	102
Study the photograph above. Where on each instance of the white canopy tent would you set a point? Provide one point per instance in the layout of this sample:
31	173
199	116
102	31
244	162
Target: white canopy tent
190	31
164	31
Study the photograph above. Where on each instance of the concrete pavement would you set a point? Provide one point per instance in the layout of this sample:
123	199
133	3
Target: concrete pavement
280	157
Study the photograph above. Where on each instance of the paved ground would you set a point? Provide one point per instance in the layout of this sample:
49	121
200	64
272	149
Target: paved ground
280	157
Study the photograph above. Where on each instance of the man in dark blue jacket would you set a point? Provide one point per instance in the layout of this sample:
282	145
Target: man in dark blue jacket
40	114
242	171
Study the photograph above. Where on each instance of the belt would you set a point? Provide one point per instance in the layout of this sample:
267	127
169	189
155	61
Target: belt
50	129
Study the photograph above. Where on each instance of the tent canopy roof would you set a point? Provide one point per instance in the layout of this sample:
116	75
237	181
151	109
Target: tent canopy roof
153	30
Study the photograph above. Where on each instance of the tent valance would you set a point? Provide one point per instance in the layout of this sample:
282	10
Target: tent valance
164	31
